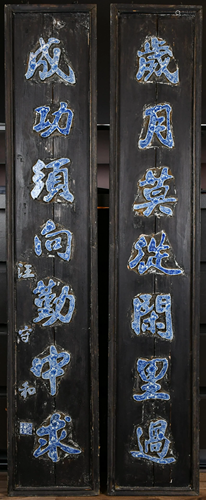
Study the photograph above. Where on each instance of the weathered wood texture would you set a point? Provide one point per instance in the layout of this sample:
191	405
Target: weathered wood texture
180	27
77	389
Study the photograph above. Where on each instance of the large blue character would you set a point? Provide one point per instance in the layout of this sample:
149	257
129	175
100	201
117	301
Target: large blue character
55	439
46	128
57	182
50	306
56	361
45	60
154	59
154	190
156	448
54	240
150	371
152	313
159	122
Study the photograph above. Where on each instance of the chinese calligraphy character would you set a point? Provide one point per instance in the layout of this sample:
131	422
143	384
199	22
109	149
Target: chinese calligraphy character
152	194
24	334
150	371
56	362
150	260
154	60
55	240
25	390
25	271
157	446
54	126
50	306
55	439
159	125
155	318
56	183
25	428
45	60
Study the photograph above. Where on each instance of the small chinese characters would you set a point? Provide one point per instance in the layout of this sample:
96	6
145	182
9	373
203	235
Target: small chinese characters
25	333
152	314
25	271
152	193
25	428
26	390
157	447
154	60
150	259
50	306
46	128
55	361
55	239
50	65
57	180
55	440
150	371
159	125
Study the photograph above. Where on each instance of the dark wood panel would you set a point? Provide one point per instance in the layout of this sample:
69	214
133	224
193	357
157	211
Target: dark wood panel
127	474
34	219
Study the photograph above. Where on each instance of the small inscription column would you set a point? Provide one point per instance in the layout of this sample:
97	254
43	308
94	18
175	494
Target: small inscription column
51	162
154	253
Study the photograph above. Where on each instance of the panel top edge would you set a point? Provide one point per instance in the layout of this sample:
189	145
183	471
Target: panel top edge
50	8
151	8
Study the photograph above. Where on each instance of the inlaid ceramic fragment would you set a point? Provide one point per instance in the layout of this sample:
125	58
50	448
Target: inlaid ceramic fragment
48	62
154	62
156	448
45	128
53	240
153	254
151	314
50	367
56	444
157	125
151	371
52	307
53	178
152	196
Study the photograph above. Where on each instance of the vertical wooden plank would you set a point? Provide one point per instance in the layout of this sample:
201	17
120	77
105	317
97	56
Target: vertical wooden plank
132	26
74	396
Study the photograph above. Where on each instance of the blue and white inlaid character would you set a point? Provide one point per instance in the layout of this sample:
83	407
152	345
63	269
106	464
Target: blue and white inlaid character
25	428
150	259
157	447
55	361
152	314
45	128
154	60
56	183
159	125
55	439
50	306
150	371
26	390
55	239
25	333
25	271
49	63
152	193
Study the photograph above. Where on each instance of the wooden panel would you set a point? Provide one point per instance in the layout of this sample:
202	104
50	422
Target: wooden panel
133	469
52	228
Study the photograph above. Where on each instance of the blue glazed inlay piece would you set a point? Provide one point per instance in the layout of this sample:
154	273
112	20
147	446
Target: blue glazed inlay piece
54	126
25	390
55	439
56	242
152	263
25	271
45	60
154	60
55	361
57	181
159	121
24	334
150	371
152	313
25	428
153	198
156	448
50	306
